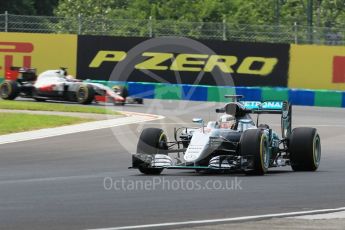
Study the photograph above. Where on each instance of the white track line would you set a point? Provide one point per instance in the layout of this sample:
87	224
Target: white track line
53	179
325	216
131	118
243	218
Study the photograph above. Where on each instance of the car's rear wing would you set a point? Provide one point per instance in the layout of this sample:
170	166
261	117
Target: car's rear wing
270	107
23	73
241	107
23	69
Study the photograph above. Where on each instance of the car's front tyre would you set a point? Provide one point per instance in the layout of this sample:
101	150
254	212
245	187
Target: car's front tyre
254	144
151	141
121	91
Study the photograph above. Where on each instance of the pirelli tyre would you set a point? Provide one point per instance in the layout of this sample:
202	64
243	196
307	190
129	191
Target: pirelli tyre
305	149
121	91
9	90
85	94
151	141
254	146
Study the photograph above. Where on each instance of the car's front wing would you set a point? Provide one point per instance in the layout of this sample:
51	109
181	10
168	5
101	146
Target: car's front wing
219	162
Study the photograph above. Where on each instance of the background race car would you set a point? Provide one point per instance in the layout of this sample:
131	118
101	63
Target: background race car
54	85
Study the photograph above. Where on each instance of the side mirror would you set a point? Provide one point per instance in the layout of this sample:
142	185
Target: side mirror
221	110
231	109
198	120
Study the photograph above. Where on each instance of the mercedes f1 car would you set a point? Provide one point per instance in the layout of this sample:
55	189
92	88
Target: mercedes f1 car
57	85
233	143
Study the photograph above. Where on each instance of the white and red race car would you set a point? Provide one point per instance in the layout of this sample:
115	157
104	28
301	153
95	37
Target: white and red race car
55	85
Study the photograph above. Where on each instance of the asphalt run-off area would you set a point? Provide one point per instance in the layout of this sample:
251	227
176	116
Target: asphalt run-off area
82	181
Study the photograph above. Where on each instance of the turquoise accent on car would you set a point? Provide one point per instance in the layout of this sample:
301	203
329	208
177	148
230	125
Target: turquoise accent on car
267	105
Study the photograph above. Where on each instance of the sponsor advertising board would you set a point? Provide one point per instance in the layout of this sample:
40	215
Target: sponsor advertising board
249	64
41	51
317	67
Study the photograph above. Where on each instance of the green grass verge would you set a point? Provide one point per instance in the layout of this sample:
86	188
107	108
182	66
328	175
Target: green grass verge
19	122
44	106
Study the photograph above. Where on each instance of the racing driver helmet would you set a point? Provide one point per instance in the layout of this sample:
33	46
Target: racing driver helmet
227	121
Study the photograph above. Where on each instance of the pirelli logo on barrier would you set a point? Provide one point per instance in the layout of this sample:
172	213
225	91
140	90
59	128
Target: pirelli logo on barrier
11	50
191	62
338	69
317	67
250	64
40	51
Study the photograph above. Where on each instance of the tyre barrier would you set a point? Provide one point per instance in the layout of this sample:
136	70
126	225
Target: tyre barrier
305	97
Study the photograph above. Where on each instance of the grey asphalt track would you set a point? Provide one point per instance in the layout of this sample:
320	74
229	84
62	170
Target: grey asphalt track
58	183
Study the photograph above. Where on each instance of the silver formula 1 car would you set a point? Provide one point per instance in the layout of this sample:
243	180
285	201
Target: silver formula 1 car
54	85
233	143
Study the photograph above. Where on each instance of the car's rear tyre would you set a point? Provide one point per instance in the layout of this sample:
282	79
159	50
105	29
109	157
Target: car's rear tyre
85	94
151	141
254	143
9	90
305	149
123	91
